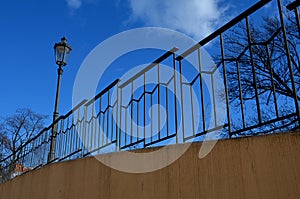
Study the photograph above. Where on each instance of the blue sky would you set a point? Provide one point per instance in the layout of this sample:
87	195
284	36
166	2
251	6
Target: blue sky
29	30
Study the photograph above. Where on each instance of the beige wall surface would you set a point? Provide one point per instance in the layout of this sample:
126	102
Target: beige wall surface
255	167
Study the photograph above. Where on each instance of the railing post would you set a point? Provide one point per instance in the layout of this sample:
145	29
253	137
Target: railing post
225	85
175	99
118	113
286	46
201	89
120	123
182	100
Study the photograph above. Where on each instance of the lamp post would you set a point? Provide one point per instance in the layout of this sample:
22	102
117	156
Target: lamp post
62	51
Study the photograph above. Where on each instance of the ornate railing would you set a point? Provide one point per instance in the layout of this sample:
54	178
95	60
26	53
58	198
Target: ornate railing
248	85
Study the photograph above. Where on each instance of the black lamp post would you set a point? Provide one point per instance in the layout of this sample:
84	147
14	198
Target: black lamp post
62	51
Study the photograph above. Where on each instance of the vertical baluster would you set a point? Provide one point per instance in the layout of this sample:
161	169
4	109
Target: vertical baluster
112	121
214	99
182	100
192	110
107	116
103	124
137	121
84	130
131	112
225	85
126	113
92	132
175	100
151	104
144	112
120	129
202	91
158	99
118	114
289	63
100	131
167	110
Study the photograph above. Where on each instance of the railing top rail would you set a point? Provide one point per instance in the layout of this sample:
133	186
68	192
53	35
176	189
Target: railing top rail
228	25
71	111
102	92
158	60
293	5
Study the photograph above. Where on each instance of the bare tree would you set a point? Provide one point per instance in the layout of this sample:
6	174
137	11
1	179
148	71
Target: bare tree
15	131
266	57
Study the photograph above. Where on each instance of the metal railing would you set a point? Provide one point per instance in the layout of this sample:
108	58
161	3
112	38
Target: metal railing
250	85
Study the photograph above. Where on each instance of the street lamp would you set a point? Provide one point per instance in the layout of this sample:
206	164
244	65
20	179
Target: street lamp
62	51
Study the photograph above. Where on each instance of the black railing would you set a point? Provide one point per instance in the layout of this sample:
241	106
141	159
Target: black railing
33	154
100	130
250	85
152	87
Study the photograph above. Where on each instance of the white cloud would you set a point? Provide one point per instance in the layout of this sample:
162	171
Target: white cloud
196	18
74	4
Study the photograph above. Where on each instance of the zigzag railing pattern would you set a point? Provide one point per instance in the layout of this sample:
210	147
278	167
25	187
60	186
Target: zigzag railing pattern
257	61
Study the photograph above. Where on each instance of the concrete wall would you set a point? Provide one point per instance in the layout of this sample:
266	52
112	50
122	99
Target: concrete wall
257	167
